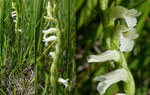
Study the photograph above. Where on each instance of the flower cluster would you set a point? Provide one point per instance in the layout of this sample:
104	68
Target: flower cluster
14	15
126	30
125	33
51	30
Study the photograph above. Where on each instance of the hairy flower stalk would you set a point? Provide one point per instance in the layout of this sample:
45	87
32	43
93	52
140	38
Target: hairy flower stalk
57	36
121	41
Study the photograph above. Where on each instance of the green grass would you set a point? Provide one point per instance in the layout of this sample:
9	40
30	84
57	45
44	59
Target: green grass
18	49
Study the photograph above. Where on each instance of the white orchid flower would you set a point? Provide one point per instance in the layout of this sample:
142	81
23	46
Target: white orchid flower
51	54
128	15
120	94
106	56
20	30
63	81
111	78
13	14
127	39
49	31
49	39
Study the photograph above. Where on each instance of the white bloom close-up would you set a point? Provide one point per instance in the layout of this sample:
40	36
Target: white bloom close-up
106	56
127	39
111	78
128	15
63	81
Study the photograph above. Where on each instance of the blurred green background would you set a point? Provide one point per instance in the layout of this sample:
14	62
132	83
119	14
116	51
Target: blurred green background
90	41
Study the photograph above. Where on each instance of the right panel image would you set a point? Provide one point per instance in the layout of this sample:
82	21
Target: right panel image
113	53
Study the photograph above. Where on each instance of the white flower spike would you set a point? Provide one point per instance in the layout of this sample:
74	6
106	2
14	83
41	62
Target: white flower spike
128	15
127	40
65	82
111	78
106	56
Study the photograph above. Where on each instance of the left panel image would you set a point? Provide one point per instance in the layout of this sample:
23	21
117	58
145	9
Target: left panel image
16	47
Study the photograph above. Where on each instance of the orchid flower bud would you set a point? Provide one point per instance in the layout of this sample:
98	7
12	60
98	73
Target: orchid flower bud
49	10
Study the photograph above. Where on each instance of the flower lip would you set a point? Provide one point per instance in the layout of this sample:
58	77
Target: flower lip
106	56
127	37
63	81
49	39
111	78
49	31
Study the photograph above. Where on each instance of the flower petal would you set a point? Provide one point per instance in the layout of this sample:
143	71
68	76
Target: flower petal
118	12
106	56
49	39
111	78
65	82
126	44
131	21
49	31
120	94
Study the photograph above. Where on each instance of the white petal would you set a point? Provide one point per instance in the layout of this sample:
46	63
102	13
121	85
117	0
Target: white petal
133	12
49	39
51	54
126	44
46	43
118	12
65	82
111	78
49	31
120	94
14	21
106	56
131	21
130	34
14	12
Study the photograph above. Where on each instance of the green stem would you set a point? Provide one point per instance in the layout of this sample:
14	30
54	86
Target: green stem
56	61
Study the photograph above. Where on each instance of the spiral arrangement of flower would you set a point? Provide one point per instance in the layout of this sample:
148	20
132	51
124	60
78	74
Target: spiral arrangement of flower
122	41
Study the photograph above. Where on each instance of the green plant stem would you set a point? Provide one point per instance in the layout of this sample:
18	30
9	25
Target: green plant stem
56	60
